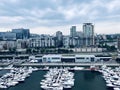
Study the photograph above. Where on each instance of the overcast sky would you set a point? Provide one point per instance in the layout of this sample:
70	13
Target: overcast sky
49	16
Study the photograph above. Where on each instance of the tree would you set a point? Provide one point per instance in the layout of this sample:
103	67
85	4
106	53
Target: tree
112	48
42	50
28	50
118	60
72	46
5	46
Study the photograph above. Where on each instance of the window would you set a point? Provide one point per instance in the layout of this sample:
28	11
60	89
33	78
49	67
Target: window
92	58
55	58
80	58
44	58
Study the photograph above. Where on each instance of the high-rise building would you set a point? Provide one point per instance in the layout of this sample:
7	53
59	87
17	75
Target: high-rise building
66	41
22	33
79	34
88	34
118	44
73	31
59	39
88	30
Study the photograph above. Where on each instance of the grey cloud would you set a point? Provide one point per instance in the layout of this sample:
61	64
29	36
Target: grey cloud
58	12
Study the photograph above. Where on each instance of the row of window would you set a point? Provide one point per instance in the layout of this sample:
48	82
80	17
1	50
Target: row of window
92	58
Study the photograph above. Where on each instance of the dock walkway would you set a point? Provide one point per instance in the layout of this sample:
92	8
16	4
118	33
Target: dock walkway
69	64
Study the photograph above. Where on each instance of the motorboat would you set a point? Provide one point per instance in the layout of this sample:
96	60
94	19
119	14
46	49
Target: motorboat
57	79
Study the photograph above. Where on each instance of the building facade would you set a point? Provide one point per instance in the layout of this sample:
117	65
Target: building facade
59	39
6	45
22	33
88	34
66	41
22	43
118	46
42	41
73	31
7	36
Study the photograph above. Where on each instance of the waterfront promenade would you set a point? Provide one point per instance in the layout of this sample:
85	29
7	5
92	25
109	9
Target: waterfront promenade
68	64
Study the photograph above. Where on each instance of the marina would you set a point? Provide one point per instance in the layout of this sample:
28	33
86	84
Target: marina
59	44
60	78
111	76
15	76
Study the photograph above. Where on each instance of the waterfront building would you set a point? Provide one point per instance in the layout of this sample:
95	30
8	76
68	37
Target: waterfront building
88	34
68	58
76	42
79	34
21	33
7	36
84	58
73	31
51	58
36	58
103	57
14	44
87	49
66	41
6	45
59	39
42	41
72	42
22	43
118	44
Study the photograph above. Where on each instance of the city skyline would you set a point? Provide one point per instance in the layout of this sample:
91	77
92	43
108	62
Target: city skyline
47	17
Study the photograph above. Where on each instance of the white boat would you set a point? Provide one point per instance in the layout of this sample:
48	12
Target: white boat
116	88
3	86
1	68
110	85
15	76
53	87
57	79
78	68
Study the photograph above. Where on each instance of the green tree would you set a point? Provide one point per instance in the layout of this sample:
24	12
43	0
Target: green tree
28	50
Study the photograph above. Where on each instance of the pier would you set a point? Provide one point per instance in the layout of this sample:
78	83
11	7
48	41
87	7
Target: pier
67	64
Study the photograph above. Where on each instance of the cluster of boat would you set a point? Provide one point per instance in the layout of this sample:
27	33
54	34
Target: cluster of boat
58	79
112	77
15	76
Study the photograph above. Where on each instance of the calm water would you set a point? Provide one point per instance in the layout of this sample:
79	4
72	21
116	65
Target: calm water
87	80
2	72
84	80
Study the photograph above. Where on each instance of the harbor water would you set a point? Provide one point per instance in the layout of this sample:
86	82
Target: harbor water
89	80
2	72
84	80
